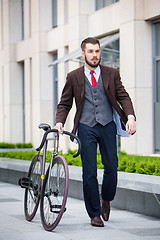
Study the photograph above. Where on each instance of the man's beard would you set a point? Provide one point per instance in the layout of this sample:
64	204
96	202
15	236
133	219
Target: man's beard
91	64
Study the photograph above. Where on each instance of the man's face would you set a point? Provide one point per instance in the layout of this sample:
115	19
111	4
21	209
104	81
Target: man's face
91	55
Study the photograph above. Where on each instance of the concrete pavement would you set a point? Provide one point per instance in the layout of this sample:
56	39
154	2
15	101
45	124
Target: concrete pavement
75	224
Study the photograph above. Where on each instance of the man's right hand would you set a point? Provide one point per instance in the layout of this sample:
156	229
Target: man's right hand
59	127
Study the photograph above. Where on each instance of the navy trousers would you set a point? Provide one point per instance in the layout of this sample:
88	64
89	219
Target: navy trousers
90	137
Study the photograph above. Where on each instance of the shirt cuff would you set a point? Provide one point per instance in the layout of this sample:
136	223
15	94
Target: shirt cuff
131	116
59	123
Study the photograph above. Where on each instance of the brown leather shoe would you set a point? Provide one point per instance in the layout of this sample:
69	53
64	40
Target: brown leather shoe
97	222
105	210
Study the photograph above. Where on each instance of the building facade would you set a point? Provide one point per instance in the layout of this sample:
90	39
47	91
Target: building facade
36	33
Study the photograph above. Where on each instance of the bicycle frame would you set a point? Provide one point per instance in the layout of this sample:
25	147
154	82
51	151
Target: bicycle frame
55	153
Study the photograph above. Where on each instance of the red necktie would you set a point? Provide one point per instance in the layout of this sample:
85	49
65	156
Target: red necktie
93	79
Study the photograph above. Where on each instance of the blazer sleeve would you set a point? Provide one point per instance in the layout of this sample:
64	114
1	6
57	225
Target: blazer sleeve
123	97
66	102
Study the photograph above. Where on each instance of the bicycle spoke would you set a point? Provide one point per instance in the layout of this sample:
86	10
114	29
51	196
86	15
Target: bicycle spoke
32	197
54	194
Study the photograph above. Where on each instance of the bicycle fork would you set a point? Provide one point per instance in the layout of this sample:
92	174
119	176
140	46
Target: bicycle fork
54	208
43	163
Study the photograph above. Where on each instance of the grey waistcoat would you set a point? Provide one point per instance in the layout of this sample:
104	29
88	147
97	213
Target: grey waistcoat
96	108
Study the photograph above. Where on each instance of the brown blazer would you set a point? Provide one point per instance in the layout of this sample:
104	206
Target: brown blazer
75	88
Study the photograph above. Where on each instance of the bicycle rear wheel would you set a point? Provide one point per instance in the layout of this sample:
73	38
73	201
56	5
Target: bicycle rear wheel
54	193
32	192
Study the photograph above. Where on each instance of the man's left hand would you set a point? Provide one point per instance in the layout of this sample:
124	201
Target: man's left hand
131	125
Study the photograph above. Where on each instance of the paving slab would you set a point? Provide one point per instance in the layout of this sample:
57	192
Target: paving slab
75	224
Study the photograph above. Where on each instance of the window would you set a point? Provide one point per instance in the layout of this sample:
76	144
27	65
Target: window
23	100
54	13
110	54
66	11
104	3
1	24
2	109
55	84
66	63
22	9
29	16
156	60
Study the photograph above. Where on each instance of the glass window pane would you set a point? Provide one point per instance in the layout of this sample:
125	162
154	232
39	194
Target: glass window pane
108	2
103	3
157	126
158	80
110	55
157	39
66	11
156	54
55	83
99	4
23	99
22	9
54	13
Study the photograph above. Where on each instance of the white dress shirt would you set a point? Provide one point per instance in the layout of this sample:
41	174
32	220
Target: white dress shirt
96	73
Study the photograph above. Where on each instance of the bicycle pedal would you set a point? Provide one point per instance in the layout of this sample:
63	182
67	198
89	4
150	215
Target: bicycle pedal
25	182
57	207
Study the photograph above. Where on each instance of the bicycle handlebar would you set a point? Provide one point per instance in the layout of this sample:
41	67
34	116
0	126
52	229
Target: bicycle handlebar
63	132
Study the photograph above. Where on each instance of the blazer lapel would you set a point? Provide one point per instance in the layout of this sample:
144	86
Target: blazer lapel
105	77
81	80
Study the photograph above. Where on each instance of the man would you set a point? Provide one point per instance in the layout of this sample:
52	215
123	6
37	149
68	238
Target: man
96	90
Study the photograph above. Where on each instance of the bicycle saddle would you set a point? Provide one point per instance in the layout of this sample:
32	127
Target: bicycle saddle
44	126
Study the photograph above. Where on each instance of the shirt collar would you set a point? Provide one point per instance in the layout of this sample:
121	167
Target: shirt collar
96	71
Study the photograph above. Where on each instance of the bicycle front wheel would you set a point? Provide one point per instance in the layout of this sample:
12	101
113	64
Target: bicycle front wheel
54	193
32	192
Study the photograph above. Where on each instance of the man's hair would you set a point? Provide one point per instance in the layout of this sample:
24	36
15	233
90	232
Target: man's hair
89	40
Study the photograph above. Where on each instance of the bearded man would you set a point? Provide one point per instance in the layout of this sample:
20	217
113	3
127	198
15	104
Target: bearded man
98	93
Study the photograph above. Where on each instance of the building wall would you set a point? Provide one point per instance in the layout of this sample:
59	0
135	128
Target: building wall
76	20
136	72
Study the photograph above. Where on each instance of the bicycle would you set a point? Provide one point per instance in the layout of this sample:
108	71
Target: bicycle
49	188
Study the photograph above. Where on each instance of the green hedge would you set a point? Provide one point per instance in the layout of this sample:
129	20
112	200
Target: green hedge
127	163
24	155
15	145
139	164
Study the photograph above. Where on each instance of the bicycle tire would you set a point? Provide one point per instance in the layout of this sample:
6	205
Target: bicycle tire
32	192
54	194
